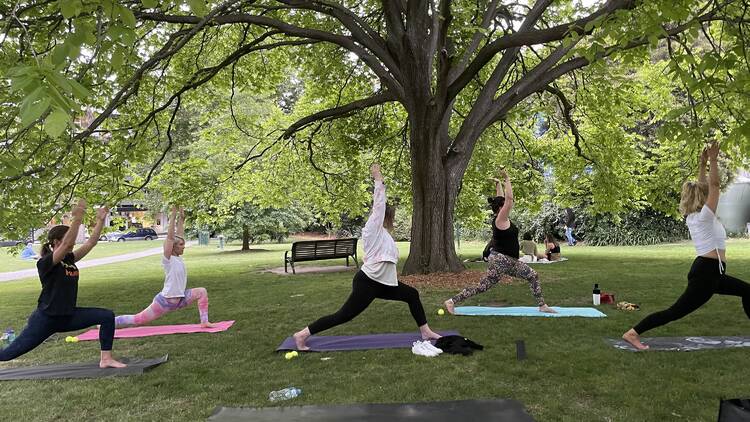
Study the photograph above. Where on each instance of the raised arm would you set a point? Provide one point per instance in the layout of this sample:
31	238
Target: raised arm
83	250
702	166
169	241
502	221
713	177
375	221
69	240
181	224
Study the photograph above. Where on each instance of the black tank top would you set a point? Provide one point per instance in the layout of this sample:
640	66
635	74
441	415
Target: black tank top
505	241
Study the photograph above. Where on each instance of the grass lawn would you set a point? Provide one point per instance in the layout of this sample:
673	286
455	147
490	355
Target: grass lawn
570	373
10	262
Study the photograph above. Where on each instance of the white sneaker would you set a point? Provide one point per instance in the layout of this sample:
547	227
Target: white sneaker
427	349
429	346
419	349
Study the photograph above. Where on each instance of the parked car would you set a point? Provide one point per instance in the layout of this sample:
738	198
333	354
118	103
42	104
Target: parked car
110	237
4	242
138	234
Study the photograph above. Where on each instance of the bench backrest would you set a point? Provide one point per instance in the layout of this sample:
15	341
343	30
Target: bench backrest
310	250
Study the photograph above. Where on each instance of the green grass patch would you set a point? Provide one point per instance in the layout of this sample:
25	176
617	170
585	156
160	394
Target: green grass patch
570	373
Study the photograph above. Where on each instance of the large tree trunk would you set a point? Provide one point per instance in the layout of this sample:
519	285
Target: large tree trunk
434	194
245	238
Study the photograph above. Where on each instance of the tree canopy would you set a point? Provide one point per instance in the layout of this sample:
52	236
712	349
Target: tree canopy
293	99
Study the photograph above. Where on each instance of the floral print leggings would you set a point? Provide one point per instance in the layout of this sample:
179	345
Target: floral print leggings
498	266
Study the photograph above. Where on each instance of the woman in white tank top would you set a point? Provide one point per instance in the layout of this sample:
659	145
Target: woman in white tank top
707	275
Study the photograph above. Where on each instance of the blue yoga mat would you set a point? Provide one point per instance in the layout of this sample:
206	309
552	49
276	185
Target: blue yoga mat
528	311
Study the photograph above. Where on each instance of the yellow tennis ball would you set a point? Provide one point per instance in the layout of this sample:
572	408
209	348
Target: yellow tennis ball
68	339
294	353
441	311
74	339
288	355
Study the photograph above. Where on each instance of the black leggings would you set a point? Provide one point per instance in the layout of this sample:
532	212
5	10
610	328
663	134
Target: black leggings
41	326
364	291
704	280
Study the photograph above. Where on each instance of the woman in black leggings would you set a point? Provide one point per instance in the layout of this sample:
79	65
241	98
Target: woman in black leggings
56	311
707	275
378	277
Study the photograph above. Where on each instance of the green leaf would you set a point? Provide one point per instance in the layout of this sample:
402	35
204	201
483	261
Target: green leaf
22	82
79	91
59	53
34	111
677	113
70	8
126	16
198	7
150	4
118	57
56	123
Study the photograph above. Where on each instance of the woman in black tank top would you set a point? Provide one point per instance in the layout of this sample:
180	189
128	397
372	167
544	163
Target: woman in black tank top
503	259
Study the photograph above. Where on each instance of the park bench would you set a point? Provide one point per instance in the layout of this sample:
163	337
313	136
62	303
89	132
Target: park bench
315	250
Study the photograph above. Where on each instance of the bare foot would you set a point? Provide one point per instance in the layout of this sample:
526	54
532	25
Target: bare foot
299	339
428	334
110	363
634	339
208	325
546	309
450	306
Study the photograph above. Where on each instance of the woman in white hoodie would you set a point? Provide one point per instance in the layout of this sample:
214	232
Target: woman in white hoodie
378	277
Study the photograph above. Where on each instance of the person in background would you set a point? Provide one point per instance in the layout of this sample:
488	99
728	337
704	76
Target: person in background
28	253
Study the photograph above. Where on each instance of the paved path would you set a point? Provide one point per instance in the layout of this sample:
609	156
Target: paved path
17	275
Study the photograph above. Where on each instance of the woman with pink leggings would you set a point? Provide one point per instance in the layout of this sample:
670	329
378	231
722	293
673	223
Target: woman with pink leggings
174	295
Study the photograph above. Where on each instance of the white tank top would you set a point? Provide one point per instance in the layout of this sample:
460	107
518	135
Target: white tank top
706	231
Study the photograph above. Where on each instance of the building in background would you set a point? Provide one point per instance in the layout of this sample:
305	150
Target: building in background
734	205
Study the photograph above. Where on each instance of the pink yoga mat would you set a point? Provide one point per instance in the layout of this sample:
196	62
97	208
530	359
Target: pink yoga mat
158	330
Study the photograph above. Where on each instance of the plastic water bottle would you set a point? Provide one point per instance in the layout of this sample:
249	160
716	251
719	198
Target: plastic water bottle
285	394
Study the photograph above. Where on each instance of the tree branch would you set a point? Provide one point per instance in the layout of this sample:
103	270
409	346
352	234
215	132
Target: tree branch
337	112
567	108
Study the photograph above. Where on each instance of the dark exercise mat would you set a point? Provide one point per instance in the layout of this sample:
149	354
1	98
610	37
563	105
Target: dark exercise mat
439	411
365	342
80	370
683	344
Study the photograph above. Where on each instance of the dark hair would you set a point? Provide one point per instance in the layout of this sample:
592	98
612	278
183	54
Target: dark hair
496	202
527	236
550	238
55	233
390	216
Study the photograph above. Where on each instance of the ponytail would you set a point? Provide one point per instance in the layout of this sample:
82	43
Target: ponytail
46	249
55	233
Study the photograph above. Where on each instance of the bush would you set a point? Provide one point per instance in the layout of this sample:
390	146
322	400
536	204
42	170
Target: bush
645	227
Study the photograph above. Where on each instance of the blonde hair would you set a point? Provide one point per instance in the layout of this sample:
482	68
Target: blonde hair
693	197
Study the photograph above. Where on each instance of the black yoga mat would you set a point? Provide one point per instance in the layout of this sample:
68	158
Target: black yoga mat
684	344
439	411
80	370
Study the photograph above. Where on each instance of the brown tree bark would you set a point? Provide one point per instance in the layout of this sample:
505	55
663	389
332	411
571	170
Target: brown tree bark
245	238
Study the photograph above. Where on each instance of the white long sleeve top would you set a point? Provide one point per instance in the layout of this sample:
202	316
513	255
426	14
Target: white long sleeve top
381	253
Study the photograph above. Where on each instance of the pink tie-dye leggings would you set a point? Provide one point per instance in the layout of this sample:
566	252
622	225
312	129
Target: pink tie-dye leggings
162	305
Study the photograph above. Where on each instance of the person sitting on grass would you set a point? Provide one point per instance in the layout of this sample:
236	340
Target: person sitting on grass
552	248
174	295
28	253
56	311
529	251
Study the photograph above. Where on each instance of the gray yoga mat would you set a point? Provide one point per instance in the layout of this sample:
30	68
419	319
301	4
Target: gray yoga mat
441	411
365	342
683	344
80	370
